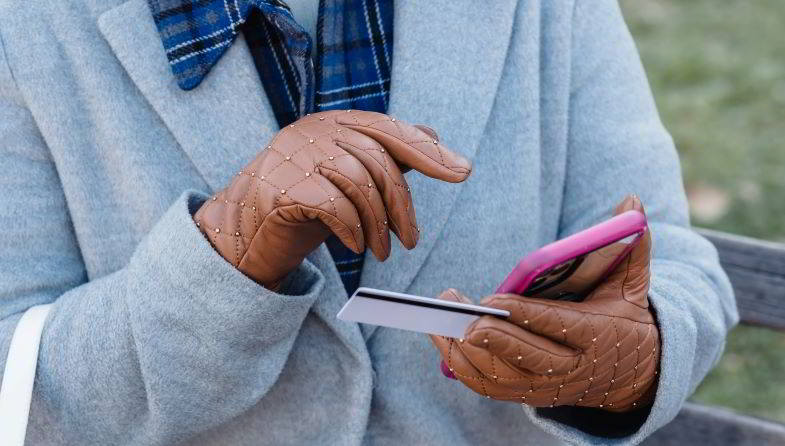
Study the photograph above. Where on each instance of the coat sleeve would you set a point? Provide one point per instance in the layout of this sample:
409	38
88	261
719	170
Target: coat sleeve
618	146
172	344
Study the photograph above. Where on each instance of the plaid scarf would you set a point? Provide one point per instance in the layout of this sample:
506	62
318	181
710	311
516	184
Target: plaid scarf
352	70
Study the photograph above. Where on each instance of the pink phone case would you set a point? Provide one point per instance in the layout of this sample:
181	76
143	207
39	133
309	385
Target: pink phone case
610	231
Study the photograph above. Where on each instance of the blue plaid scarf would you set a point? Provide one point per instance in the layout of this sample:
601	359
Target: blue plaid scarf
352	69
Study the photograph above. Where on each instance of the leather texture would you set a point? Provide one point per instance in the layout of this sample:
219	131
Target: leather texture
602	352
331	172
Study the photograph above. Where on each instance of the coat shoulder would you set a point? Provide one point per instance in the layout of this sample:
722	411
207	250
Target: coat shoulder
38	33
31	20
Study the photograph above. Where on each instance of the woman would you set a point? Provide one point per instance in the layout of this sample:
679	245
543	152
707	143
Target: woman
161	333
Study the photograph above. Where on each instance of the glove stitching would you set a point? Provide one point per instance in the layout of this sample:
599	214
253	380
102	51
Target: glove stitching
412	144
258	180
624	374
400	193
277	187
454	370
523	341
558	391
401	133
441	155
563	328
242	211
328	199
591	398
379	228
284	160
554	304
385	167
484	390
237	245
238	257
615	367
328	195
237	231
209	228
255	223
637	362
593	363
333	133
403	198
626	276
624	285
449	353
221	222
468	359
318	211
297	130
398	127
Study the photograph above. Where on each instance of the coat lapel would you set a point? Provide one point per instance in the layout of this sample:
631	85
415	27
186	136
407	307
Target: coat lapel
223	122
447	62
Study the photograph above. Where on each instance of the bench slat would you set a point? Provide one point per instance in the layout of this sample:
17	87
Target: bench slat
712	426
757	271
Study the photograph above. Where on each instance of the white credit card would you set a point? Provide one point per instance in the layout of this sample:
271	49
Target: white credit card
415	313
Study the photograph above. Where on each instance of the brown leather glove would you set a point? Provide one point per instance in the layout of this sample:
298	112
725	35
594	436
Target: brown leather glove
602	352
336	171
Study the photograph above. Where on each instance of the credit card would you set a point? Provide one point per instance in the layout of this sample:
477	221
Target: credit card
414	313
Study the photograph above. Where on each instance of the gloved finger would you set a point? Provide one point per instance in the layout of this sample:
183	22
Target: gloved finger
519	388
462	368
640	256
334	209
492	377
630	278
348	174
497	370
560	321
481	360
454	295
453	359
521	348
391	182
409	146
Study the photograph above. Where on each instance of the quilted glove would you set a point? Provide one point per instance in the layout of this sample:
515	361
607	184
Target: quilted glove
334	172
602	352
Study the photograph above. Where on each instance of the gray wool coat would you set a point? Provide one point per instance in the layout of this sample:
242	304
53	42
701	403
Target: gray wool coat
154	339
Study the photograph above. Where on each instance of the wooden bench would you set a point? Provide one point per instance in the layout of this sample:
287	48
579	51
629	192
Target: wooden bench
757	272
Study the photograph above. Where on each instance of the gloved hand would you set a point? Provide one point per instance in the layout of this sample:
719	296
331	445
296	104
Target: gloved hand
336	171
602	352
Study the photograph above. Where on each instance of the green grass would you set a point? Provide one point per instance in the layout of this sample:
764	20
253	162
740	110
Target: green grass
717	68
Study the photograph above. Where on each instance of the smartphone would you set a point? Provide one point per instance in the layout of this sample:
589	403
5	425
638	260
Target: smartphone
569	269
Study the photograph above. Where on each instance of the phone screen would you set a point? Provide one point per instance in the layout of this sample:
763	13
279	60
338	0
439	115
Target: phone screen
575	278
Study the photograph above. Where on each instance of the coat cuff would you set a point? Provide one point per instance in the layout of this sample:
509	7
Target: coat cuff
676	377
203	303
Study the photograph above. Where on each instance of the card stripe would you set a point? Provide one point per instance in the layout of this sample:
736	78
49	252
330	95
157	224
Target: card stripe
423	304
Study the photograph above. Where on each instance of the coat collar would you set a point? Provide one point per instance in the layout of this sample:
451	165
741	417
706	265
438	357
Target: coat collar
447	63
196	34
223	123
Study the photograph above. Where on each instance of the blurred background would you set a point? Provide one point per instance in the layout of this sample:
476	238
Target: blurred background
717	68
